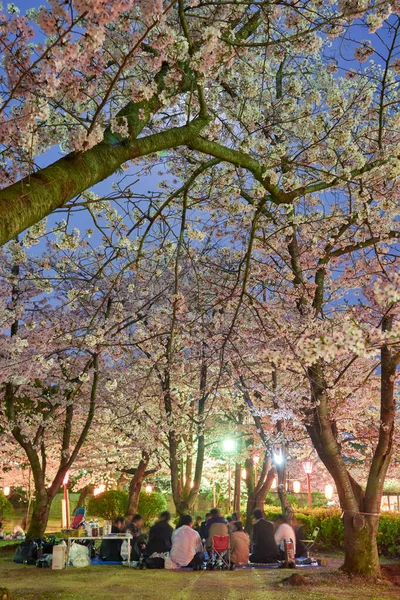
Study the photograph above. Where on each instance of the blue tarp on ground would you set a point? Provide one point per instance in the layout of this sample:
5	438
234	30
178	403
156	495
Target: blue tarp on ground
97	561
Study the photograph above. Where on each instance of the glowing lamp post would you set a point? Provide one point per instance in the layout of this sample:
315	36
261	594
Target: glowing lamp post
7	491
308	467
149	488
328	492
296	487
229	447
65	502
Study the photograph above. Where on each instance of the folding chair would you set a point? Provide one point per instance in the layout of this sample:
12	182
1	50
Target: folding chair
309	543
219	555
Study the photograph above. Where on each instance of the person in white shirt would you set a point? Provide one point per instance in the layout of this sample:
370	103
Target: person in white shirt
284	532
187	549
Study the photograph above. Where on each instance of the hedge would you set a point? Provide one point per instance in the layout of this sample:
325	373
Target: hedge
331	532
108	505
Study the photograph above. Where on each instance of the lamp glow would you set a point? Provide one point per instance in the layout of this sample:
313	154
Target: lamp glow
308	467
229	445
256	459
274	483
244	473
278	459
149	489
96	491
102	487
66	478
328	492
296	487
7	491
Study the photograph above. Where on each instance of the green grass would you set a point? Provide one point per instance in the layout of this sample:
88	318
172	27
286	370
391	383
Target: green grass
118	582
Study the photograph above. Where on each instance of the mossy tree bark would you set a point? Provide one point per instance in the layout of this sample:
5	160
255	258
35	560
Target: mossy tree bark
361	509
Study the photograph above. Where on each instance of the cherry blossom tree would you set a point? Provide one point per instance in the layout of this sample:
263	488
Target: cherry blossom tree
113	82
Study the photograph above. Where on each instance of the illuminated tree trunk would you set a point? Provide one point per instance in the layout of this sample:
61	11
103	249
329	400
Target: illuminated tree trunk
257	491
361	510
135	485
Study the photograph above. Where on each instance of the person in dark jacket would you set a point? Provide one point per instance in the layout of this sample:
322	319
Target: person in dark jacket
160	535
263	540
203	527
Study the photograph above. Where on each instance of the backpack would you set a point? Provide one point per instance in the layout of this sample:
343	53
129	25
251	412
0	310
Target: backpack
27	552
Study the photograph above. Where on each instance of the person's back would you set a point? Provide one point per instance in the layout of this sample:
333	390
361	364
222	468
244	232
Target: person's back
186	545
216	525
264	546
284	532
240	544
160	535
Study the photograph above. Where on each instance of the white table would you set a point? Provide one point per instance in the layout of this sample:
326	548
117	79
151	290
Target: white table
100	537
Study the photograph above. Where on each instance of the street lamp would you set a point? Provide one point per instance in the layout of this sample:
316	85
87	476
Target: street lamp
296	487
7	491
149	488
308	467
229	446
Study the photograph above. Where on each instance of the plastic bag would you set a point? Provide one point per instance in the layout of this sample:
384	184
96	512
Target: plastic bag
124	552
79	556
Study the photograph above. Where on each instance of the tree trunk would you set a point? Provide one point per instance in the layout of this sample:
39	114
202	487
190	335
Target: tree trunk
85	491
135	485
361	551
40	515
256	494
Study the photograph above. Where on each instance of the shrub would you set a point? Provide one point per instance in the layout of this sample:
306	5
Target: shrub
108	505
330	523
6	508
389	535
151	505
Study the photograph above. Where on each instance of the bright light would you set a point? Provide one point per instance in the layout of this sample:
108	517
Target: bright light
191	484
66	478
274	483
328	492
256	459
278	459
6	491
244	473
102	487
308	467
296	487
229	445
149	488
96	491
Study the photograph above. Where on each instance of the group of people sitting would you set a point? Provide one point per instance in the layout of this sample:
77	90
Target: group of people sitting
189	542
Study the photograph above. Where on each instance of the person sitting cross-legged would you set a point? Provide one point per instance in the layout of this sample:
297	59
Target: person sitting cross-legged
186	546
160	535
240	545
264	546
284	533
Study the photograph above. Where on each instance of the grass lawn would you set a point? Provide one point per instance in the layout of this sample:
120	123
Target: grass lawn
117	582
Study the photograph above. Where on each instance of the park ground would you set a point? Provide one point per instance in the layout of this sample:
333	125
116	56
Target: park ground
118	582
